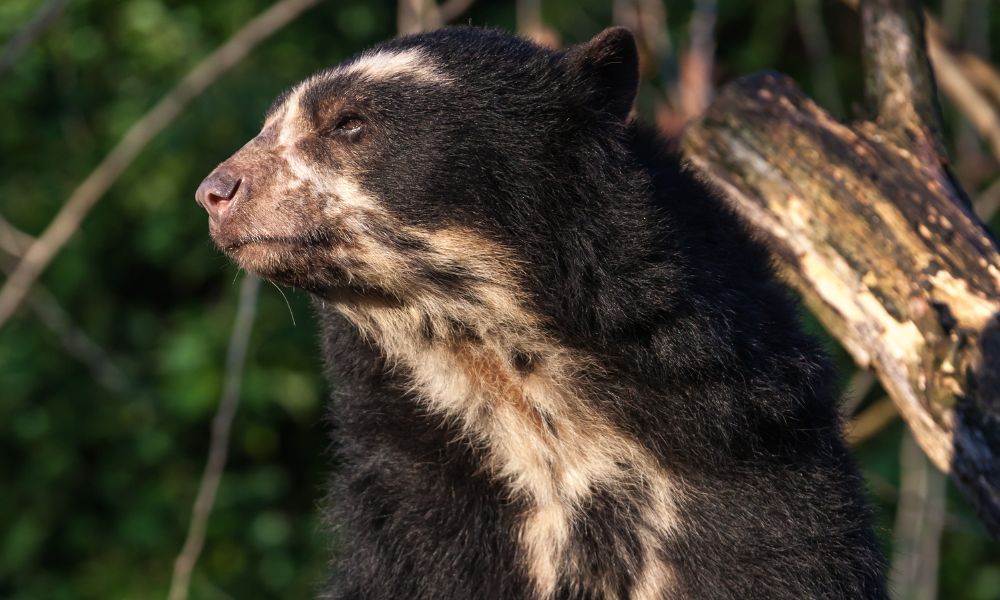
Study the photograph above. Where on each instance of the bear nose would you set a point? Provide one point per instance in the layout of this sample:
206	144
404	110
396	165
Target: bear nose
217	192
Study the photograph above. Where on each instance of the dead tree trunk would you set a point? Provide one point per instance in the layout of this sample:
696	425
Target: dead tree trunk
868	224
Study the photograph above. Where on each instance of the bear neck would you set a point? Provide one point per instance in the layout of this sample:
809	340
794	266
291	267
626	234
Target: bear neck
527	402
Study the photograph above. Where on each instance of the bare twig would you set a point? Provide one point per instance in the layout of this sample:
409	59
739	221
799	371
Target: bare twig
20	41
919	521
871	421
988	202
857	390
968	81
691	93
697	63
971	163
13	241
982	74
451	9
414	16
529	17
647	19
531	25
219	446
899	79
411	15
77	343
83	199
978	108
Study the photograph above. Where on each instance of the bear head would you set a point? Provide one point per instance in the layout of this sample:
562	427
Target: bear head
462	164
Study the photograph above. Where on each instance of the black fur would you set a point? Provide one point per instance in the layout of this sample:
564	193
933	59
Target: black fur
630	261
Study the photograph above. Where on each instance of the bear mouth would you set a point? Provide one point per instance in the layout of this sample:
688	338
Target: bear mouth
317	239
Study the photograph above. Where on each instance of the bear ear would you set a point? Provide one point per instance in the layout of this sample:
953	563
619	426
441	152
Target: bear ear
610	62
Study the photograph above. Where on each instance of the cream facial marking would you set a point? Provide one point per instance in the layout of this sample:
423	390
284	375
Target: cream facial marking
370	65
542	437
384	65
289	128
292	124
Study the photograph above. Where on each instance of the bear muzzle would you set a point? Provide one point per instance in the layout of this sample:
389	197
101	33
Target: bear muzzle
218	192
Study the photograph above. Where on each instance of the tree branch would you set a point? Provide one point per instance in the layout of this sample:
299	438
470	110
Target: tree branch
871	421
988	202
13	241
868	224
219	446
449	10
20	41
969	81
86	195
858	387
693	88
698	62
983	113
899	80
78	344
981	73
54	317
919	522
414	16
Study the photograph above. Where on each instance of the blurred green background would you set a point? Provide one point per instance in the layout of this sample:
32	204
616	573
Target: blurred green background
99	465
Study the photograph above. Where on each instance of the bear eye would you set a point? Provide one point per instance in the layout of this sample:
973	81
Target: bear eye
349	124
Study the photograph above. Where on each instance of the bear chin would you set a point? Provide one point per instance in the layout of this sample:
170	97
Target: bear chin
309	267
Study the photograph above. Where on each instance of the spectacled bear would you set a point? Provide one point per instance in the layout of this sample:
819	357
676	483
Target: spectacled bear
562	368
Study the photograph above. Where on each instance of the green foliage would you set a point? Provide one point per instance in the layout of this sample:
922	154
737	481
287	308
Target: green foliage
97	482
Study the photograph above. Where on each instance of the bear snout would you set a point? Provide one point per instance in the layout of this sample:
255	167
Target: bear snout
217	192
